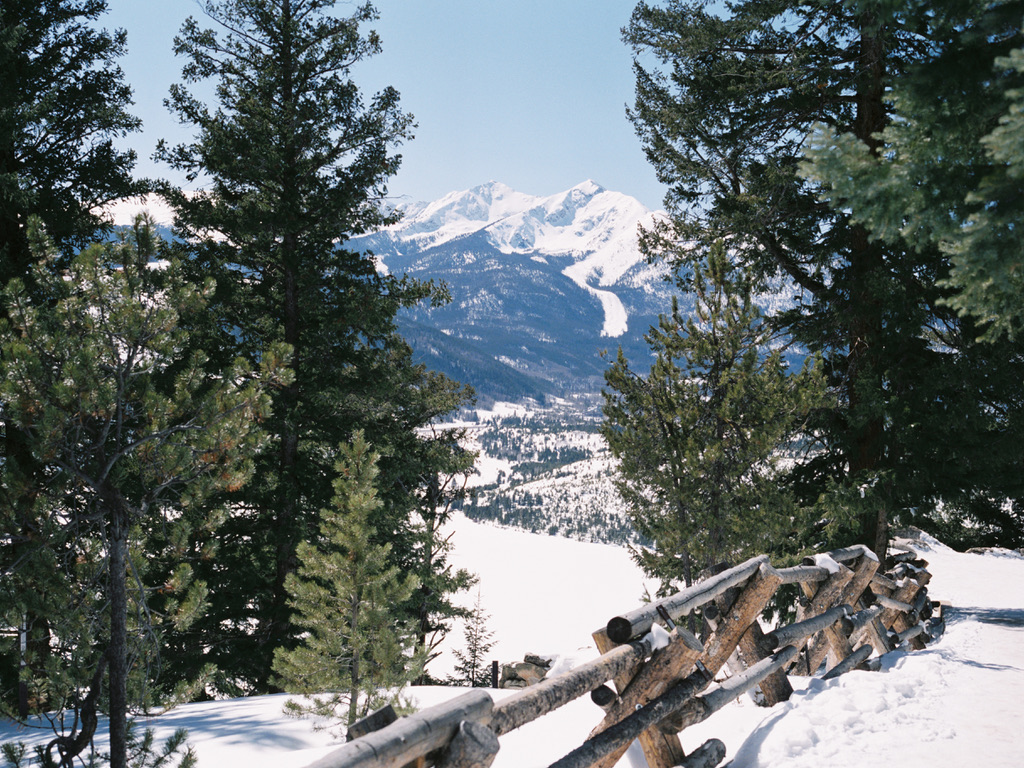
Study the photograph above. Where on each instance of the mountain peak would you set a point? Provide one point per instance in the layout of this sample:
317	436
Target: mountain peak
574	221
589	188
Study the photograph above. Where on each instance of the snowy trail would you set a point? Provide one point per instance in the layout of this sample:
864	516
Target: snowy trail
954	703
957	702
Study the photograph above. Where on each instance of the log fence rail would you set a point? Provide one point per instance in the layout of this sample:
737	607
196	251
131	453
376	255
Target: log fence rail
664	679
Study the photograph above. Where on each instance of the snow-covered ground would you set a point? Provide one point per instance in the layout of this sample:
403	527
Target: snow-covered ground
956	703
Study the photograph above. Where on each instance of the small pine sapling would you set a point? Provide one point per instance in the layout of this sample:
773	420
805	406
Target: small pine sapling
356	655
472	660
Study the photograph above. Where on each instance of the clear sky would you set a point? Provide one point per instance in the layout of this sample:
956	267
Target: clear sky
531	93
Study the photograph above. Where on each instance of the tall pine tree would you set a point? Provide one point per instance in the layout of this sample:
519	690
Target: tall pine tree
947	178
950	171
63	106
725	103
297	161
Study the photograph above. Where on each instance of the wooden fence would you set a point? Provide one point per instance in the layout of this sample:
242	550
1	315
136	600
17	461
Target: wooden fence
664	677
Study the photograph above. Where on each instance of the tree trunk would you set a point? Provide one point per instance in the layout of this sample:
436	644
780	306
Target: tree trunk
866	324
117	650
287	511
355	679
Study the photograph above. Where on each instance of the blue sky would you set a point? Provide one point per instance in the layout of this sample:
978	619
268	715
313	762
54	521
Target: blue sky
531	93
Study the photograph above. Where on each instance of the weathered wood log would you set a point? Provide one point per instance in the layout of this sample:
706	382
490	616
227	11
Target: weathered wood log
901	556
873	630
702	707
732	614
411	737
550	694
708	755
373	722
827	595
908	634
922	605
894	614
876	634
858	621
884	582
908	570
795	634
736	686
753	647
638	622
834	641
893	604
801	573
852	661
846	554
474	746
738	618
818	598
734	622
598	748
713	619
665	668
864	571
899	620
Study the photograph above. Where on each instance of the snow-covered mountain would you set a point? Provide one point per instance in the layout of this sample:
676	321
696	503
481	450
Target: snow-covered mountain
540	285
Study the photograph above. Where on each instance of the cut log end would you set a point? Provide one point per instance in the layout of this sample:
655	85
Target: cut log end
604	696
620	630
708	755
474	746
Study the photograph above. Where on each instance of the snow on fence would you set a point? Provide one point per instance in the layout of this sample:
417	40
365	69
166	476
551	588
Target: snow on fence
665	677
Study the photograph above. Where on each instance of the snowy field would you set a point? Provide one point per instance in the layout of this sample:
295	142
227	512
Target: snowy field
956	703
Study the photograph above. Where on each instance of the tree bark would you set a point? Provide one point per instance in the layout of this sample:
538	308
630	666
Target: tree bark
538	700
867	262
474	746
666	667
117	650
411	737
708	755
638	622
825	597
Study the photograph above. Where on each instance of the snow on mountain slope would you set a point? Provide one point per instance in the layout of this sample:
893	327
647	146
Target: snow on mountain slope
596	228
583	220
123	212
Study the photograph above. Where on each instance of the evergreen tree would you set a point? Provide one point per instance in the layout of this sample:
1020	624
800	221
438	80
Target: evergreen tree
949	171
63	104
356	651
699	438
473	668
725	121
130	439
947	177
297	161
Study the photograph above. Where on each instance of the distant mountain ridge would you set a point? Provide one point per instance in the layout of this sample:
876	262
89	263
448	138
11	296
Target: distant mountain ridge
540	285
